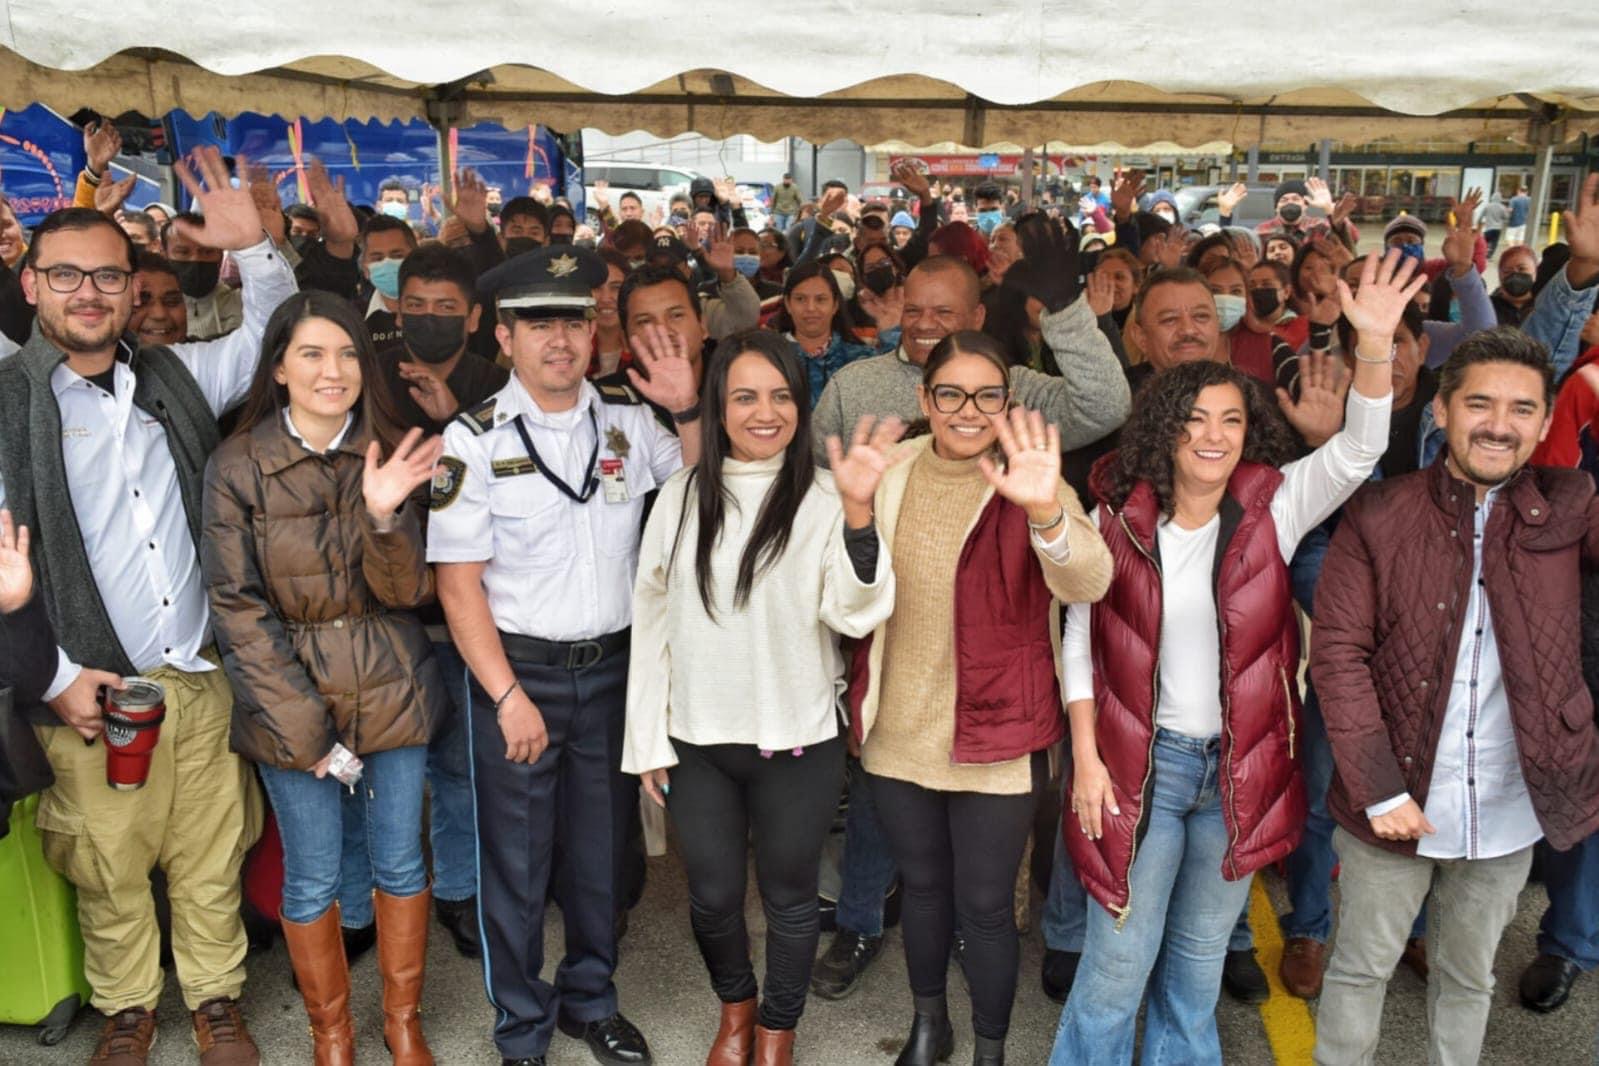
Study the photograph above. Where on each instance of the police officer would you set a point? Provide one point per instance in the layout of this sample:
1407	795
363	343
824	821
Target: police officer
535	526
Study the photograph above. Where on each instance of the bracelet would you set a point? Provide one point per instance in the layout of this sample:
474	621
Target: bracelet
688	414
1393	352
1051	524
514	686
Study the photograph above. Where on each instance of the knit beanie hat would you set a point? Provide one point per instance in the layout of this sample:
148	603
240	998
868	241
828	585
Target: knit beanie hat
1405	224
902	220
1286	187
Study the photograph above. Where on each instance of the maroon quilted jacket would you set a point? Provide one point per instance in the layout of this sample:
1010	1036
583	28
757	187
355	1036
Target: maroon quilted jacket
1262	791
1390	607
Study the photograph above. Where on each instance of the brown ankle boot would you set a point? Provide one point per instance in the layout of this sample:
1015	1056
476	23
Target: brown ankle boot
774	1047
402	949
735	1040
316	950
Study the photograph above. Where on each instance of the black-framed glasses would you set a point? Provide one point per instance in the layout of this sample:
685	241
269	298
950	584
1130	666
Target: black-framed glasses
949	399
64	278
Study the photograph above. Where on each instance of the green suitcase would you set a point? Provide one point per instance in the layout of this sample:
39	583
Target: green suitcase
41	982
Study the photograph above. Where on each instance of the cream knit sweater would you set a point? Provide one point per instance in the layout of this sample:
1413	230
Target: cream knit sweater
769	674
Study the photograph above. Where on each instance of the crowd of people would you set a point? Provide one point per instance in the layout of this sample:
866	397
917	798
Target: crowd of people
949	510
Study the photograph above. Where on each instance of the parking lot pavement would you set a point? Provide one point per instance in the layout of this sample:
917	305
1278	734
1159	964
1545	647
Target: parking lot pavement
664	990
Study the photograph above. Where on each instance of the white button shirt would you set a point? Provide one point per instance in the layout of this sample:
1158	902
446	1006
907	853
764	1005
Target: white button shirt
557	569
124	485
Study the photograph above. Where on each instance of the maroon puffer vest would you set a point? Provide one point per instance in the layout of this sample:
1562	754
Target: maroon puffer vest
1262	792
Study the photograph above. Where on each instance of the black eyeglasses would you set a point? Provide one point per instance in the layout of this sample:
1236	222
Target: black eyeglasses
949	399
64	278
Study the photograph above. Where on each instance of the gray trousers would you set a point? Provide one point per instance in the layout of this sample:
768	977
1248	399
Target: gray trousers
1469	903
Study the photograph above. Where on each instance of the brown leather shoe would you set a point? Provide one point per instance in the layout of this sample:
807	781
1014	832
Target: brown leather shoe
1415	956
735	1040
316	950
1301	966
402	950
220	1035
774	1047
126	1039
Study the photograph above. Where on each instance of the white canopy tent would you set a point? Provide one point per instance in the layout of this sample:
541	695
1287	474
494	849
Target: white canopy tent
1021	71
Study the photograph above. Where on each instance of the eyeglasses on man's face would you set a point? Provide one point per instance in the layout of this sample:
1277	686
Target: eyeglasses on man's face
66	278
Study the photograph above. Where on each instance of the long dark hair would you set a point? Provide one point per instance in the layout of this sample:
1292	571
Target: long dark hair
769	535
266	398
816	268
1160	418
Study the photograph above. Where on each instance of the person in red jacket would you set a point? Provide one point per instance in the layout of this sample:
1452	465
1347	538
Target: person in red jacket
1448	660
954	699
1180	787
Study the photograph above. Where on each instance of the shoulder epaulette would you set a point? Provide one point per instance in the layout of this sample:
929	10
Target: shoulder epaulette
479	419
623	394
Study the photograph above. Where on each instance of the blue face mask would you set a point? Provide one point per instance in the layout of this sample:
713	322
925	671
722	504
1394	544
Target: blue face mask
385	276
987	220
394	210
748	265
1229	309
1413	251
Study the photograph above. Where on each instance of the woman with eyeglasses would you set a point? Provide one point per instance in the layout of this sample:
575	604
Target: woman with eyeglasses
954	699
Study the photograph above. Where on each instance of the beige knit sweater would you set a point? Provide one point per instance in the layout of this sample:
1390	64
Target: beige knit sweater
912	734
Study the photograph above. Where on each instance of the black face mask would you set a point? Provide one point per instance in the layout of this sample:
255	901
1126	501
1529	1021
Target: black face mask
515	246
560	238
1290	213
1264	302
1516	284
196	277
301	241
434	338
881	278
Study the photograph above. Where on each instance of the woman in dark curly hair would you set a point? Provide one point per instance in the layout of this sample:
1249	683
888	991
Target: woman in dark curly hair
1179	683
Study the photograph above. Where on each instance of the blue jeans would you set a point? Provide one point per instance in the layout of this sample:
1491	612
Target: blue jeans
869	867
1570	926
451	833
1174	941
1065	919
307	809
1310	866
782	222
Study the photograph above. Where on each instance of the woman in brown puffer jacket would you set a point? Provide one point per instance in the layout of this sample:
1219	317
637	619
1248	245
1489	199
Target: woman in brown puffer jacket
313	559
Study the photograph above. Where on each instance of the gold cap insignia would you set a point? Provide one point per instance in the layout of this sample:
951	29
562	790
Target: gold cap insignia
563	265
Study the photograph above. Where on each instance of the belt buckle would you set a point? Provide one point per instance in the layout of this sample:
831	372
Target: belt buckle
582	654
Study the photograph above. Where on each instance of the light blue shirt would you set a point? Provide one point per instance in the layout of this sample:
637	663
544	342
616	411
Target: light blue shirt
1477	800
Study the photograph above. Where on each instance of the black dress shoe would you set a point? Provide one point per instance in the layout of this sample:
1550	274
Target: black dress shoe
459	918
1546	982
1060	970
839	969
611	1040
535	1060
1243	978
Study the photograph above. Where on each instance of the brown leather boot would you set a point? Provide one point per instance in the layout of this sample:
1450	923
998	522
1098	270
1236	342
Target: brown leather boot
316	950
1301	966
402	950
735	1040
774	1047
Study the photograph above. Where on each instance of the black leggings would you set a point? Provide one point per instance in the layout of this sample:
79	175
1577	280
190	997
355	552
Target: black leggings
958	853
719	793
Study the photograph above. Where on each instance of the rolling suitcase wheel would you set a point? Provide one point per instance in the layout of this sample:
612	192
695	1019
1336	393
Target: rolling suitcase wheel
58	1023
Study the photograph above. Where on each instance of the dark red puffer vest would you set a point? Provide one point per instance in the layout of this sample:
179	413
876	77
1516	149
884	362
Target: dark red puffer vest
1007	696
1262	791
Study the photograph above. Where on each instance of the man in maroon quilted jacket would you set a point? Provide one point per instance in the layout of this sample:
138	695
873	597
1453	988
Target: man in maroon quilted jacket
1446	651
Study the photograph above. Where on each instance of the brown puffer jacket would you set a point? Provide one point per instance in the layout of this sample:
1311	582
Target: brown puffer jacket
311	603
1390	608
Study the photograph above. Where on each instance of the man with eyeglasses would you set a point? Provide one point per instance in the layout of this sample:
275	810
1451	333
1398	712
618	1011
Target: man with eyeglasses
102	452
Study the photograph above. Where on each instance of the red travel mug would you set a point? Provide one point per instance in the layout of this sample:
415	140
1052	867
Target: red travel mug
133	717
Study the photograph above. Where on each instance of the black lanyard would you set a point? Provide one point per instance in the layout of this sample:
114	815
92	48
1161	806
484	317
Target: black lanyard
591	481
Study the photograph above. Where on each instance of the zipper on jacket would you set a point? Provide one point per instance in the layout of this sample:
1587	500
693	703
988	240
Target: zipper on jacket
1288	709
1230	860
1154	702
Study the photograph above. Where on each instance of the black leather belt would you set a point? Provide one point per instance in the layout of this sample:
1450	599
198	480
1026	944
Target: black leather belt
568	654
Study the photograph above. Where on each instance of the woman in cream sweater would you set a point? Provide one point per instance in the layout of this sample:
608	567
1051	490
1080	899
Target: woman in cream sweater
753	561
958	700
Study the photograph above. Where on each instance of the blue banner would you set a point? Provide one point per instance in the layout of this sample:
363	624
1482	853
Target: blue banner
40	156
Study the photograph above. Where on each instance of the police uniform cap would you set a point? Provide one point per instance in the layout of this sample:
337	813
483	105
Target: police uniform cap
557	281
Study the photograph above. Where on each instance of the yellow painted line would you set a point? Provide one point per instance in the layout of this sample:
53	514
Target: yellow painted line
1289	1026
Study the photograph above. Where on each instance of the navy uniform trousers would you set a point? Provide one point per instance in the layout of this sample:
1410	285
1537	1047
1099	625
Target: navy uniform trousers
570	798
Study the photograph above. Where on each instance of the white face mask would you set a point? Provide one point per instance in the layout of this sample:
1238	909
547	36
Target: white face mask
846	284
1229	309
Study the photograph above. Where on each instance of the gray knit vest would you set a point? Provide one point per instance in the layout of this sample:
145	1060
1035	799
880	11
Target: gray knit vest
33	470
